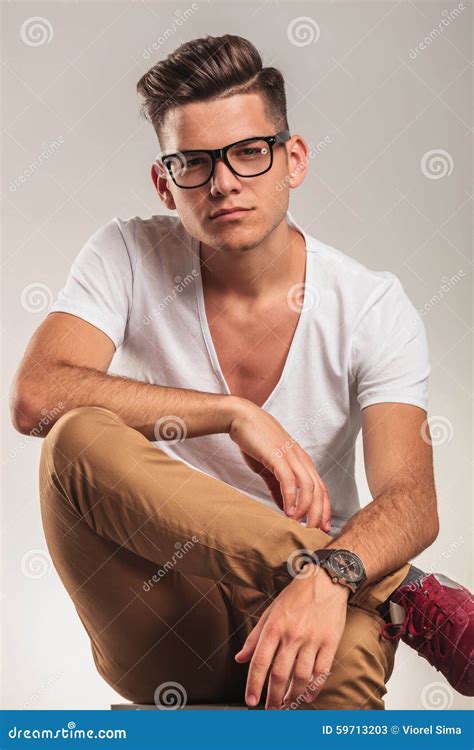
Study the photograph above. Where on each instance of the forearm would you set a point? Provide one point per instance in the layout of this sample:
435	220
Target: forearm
140	405
398	524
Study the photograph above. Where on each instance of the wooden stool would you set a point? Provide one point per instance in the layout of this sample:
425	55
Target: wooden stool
187	707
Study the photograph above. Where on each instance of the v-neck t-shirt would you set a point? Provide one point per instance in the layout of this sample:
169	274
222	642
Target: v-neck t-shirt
359	340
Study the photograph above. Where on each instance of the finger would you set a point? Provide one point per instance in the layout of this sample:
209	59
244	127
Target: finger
302	673
287	482
251	641
306	487
321	671
326	513
260	664
280	674
319	515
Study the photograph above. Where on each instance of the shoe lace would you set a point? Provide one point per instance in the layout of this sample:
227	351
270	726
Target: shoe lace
430	620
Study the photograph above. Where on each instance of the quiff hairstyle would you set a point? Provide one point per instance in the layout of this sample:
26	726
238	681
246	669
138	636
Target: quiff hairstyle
210	68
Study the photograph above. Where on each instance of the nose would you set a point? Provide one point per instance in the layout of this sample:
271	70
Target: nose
223	181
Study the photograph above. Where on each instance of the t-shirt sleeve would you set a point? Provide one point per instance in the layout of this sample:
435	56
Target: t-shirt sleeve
389	349
98	288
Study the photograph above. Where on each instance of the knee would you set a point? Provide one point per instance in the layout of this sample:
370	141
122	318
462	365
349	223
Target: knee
73	433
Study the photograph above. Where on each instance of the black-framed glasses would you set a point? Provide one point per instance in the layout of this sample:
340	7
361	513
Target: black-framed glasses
249	157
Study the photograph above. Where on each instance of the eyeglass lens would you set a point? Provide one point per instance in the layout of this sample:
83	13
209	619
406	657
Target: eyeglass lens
247	159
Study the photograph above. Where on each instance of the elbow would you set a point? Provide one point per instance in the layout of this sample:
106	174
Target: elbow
21	416
24	415
431	526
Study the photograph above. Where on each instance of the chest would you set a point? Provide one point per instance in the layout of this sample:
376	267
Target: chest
252	346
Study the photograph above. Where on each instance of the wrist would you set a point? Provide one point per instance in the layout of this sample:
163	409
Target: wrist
339	589
237	408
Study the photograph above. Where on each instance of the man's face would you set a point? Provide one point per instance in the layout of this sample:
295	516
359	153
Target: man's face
215	124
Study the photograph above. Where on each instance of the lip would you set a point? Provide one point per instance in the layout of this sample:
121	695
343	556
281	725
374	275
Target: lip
233	213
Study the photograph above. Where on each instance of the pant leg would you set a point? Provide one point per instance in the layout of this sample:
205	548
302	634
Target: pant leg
154	632
119	481
140	504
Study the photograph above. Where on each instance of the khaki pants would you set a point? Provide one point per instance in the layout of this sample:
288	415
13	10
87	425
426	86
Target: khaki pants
169	569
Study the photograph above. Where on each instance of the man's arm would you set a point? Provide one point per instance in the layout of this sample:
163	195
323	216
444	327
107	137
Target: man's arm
402	519
64	367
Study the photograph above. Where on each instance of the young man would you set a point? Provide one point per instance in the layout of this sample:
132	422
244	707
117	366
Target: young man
199	500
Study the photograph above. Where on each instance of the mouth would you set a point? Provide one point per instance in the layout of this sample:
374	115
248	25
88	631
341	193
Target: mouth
227	214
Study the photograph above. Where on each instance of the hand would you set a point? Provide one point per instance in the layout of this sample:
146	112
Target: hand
285	467
297	636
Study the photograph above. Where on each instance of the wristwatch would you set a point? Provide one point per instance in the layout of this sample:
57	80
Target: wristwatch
343	566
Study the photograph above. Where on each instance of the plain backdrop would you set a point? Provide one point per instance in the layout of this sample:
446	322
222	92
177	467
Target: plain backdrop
382	93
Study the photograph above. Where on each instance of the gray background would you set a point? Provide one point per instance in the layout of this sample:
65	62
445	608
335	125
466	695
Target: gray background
390	185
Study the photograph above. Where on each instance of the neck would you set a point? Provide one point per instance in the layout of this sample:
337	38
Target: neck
270	268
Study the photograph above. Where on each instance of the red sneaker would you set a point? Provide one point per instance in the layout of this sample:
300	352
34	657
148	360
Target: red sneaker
439	624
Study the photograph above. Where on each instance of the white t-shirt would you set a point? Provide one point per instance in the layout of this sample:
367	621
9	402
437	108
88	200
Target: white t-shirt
359	341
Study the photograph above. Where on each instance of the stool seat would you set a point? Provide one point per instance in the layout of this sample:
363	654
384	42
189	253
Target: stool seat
187	707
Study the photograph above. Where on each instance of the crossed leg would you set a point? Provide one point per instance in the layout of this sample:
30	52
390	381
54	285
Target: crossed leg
169	569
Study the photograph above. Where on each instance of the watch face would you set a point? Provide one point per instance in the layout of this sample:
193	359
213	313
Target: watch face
347	566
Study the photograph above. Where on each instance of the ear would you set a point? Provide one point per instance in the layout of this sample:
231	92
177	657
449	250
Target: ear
297	160
160	180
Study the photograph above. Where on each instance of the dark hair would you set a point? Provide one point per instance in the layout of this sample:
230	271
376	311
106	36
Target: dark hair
212	67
